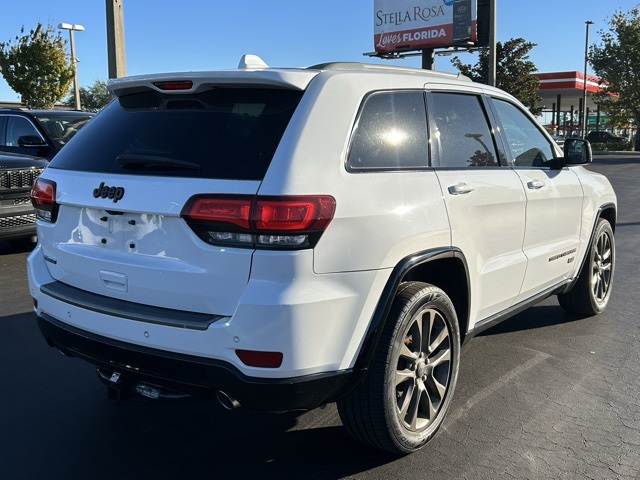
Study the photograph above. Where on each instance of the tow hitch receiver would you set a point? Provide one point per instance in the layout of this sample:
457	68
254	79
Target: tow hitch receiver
121	388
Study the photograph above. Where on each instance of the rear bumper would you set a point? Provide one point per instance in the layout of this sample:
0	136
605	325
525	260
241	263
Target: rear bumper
196	375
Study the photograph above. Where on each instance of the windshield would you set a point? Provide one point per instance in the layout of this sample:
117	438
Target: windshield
225	133
61	128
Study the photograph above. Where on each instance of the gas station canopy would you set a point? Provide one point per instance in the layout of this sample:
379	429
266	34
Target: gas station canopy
569	86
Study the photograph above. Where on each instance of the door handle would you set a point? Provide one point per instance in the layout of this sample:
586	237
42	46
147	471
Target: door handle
461	189
535	184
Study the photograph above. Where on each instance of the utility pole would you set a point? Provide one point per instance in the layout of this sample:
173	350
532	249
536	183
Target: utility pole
115	39
492	43
428	58
585	118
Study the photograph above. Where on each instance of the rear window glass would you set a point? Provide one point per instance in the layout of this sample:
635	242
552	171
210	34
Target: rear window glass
61	128
225	133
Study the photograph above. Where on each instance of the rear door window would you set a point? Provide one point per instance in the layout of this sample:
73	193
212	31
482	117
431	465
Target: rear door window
224	133
390	133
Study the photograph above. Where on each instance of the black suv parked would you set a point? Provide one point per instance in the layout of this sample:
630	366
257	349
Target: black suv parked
17	174
604	137
40	133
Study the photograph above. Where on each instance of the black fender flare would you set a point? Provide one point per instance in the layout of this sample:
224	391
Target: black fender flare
598	216
381	312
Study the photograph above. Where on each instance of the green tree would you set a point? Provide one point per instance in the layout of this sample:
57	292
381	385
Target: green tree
617	62
36	66
514	71
92	98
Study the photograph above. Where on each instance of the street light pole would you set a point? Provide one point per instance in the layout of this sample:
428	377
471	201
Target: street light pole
74	60
584	83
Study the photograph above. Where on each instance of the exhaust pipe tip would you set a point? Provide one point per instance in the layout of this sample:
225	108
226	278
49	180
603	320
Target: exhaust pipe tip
226	401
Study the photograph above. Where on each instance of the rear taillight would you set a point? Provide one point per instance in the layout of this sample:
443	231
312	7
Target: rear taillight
43	198
260	221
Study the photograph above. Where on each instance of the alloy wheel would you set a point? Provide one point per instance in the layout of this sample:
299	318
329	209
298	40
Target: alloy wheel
423	369
601	269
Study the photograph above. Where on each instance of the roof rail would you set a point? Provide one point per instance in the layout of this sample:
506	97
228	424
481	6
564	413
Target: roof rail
357	66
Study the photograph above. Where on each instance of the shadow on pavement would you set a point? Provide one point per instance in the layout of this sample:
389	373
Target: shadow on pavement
535	317
56	408
616	158
8	247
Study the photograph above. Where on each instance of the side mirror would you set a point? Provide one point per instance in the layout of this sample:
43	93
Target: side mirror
31	141
577	151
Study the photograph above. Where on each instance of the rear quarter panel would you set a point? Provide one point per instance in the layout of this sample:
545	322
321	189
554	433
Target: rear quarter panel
380	217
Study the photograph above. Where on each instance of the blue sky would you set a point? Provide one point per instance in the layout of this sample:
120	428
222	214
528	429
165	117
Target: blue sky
163	35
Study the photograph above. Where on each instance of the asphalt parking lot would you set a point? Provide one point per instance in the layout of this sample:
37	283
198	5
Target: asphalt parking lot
543	395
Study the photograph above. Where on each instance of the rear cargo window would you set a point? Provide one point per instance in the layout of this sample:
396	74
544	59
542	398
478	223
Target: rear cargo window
225	133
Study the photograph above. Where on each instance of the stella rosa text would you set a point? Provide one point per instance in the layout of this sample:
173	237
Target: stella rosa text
400	18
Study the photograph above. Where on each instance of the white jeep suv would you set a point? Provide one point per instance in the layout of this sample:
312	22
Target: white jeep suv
285	238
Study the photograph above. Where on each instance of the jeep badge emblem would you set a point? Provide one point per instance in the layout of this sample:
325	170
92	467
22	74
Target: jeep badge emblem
105	191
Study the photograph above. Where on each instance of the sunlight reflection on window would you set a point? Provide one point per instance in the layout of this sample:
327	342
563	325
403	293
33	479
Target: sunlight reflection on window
394	137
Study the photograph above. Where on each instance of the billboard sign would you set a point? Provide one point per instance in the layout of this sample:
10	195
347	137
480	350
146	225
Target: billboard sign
401	25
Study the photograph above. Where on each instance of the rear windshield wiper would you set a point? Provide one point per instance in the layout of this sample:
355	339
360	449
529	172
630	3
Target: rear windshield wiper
129	160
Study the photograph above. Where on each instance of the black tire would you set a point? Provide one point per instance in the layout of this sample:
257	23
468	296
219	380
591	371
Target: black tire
592	290
408	390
